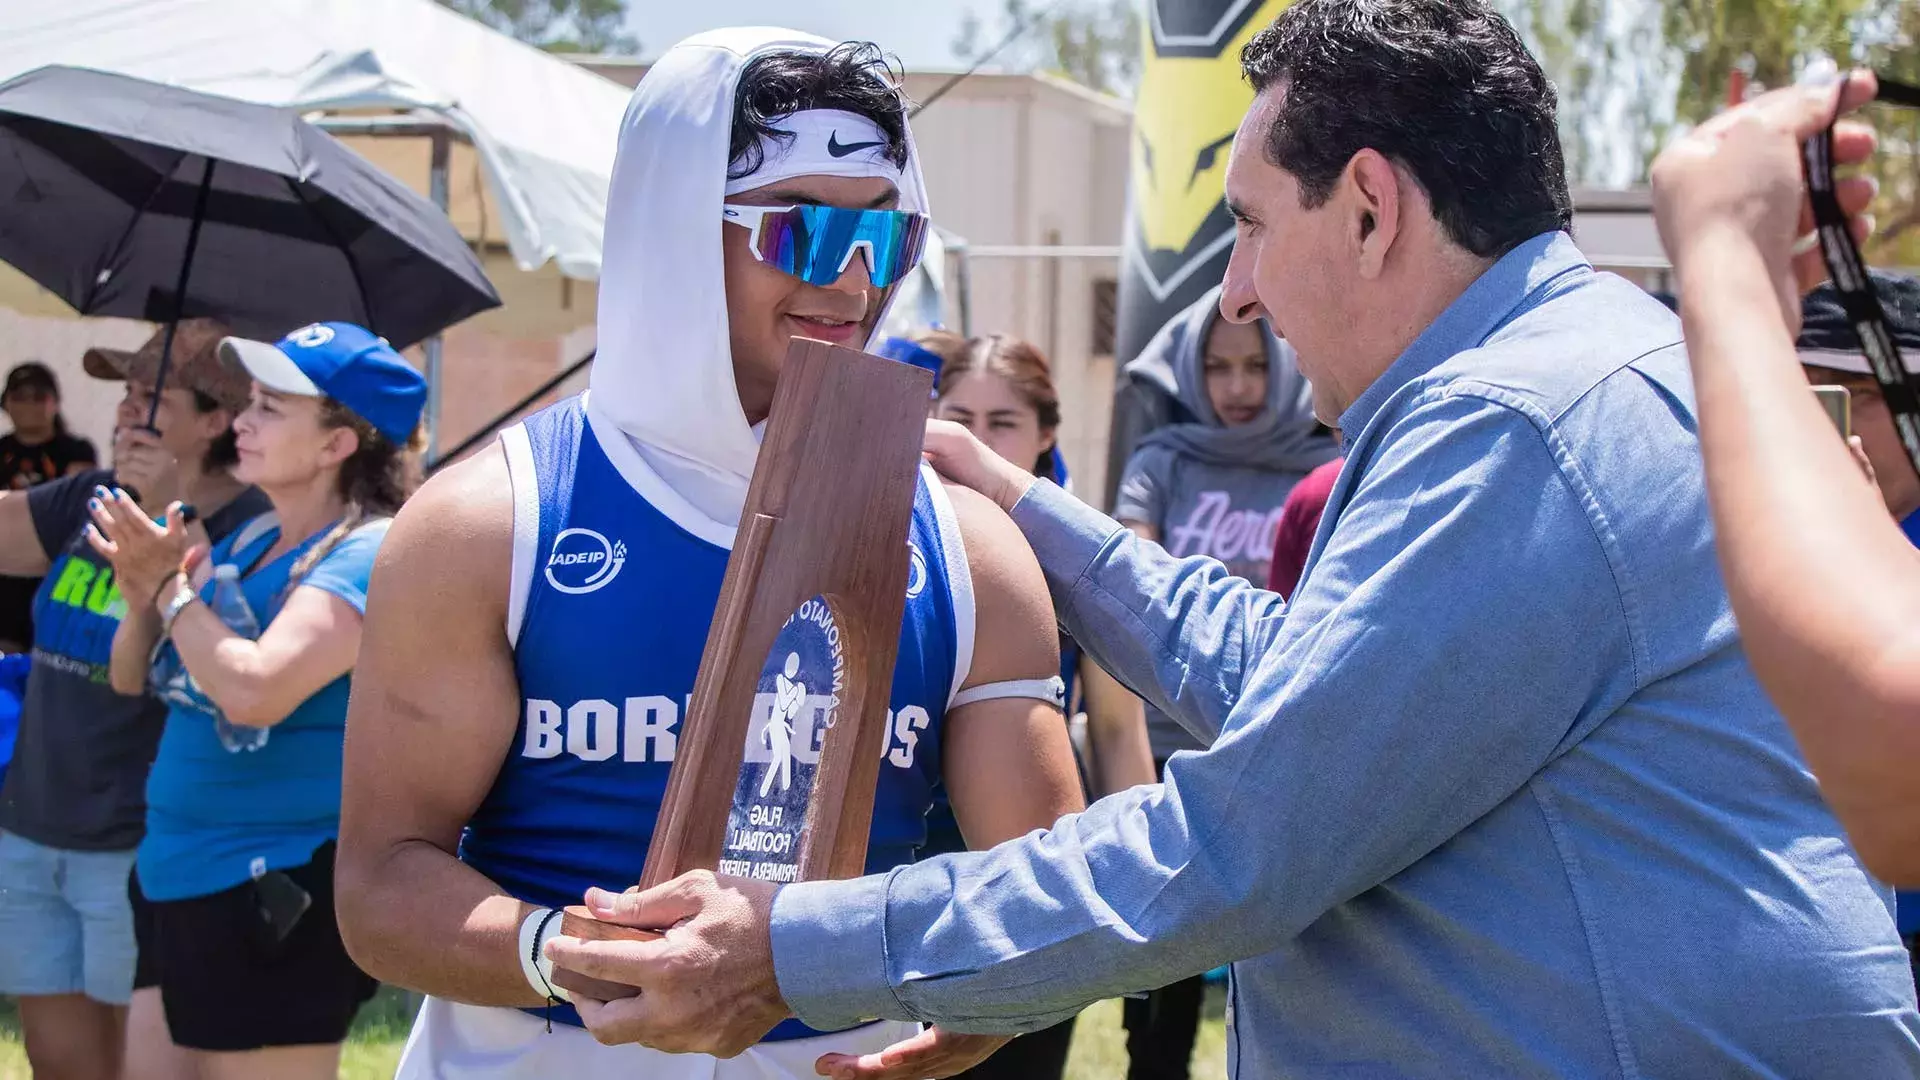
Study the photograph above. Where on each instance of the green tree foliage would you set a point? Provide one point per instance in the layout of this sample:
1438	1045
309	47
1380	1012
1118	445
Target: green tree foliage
1096	43
589	26
1774	41
1628	71
1610	115
1896	52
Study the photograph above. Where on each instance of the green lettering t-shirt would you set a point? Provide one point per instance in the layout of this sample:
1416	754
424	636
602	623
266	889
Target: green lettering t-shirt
79	772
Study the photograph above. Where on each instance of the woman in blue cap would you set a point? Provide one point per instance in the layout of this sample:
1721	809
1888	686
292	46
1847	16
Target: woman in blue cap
252	645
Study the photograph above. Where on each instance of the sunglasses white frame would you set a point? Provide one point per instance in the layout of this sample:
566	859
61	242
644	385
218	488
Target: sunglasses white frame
753	217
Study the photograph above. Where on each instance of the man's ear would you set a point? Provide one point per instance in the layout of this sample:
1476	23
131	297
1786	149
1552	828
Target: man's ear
1372	190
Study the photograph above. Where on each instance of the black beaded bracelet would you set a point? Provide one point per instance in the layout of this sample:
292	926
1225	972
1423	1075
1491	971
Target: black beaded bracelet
534	956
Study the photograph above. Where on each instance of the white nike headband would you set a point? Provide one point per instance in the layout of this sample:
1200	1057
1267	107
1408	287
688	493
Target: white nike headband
824	142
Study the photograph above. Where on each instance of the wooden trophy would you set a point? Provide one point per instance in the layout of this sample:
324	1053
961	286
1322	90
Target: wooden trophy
779	754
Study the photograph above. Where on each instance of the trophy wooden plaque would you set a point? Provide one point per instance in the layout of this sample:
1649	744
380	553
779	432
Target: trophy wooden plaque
780	750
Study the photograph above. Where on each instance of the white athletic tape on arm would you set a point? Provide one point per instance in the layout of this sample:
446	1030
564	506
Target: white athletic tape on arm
1052	691
538	928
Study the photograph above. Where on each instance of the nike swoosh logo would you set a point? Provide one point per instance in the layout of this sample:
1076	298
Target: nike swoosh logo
839	149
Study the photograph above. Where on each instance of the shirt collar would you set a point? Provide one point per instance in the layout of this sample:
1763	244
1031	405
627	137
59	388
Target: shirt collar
1487	305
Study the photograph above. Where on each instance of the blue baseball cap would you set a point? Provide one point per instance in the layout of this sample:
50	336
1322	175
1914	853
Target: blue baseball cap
347	363
907	352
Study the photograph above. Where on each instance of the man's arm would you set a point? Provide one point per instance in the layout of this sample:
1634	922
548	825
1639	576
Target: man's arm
1398	708
1125	600
1078	537
435	704
1008	763
1824	586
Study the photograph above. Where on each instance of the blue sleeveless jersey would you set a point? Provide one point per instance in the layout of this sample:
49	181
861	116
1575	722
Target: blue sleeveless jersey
612	601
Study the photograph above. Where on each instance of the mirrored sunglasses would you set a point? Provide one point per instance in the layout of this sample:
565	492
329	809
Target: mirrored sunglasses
817	243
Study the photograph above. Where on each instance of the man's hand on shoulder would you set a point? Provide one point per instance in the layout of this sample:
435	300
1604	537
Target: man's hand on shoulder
962	459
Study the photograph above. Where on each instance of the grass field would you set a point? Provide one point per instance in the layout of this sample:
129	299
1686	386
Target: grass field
1099	1043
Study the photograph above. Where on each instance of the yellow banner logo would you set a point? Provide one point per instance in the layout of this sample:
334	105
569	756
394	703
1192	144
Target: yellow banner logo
1191	99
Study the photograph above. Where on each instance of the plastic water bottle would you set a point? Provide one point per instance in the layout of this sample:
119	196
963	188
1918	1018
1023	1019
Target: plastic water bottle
230	603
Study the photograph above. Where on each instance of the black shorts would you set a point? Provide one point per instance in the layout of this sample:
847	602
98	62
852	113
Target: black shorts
146	967
230	982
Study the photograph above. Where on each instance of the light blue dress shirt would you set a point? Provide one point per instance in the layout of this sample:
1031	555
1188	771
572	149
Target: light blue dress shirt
1497	797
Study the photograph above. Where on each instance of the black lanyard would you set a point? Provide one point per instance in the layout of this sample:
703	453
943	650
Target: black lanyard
1850	281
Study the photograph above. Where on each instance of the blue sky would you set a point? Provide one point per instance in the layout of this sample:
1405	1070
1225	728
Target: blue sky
920	32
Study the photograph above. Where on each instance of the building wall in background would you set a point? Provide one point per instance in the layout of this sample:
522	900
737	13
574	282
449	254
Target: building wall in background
58	341
1016	165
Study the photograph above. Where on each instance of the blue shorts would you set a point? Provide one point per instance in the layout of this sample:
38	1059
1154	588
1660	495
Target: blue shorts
66	923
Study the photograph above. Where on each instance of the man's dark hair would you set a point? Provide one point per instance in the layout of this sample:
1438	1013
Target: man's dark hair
854	76
1444	88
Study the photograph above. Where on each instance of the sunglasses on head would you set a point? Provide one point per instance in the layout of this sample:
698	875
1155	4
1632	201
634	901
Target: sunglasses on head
817	243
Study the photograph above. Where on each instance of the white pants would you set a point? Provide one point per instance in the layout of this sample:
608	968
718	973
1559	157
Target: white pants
458	1042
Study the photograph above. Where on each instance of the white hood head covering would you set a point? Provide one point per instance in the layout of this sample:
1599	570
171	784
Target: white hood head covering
664	373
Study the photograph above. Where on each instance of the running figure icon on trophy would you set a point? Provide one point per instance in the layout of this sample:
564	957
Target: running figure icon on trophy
789	697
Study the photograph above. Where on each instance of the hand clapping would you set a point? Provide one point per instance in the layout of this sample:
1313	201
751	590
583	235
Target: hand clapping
144	553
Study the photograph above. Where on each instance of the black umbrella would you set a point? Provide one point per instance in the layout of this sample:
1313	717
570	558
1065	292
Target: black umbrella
147	201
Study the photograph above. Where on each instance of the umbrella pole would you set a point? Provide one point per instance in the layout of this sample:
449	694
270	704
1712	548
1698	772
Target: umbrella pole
437	187
180	291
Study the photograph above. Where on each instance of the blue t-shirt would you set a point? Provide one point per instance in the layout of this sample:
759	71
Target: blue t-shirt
215	818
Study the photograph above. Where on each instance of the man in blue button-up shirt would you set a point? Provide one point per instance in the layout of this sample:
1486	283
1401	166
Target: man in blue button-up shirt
1498	794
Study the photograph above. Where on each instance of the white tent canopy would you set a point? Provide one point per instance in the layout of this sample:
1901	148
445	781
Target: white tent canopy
544	129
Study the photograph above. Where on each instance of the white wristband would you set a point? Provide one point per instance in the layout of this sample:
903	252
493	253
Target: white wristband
534	932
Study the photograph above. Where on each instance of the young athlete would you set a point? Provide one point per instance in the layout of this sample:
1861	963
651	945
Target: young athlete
539	612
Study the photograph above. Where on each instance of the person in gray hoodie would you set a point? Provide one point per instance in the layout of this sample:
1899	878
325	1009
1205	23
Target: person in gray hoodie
1215	485
1212	486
